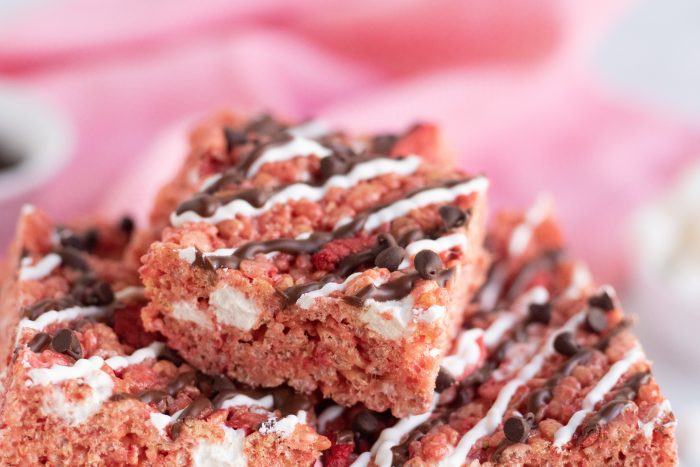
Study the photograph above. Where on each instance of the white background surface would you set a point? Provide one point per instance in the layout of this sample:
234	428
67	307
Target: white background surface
652	55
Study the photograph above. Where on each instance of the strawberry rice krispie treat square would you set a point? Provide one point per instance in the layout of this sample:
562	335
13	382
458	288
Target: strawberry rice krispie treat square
300	255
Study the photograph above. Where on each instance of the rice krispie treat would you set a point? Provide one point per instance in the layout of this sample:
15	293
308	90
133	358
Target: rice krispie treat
84	384
557	378
303	256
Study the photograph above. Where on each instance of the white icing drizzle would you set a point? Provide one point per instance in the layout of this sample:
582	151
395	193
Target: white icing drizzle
297	147
243	400
284	427
59	373
606	383
489	294
160	421
150	352
438	245
467	353
390	437
128	293
89	370
41	269
328	415
522	234
53	316
306	301
498	328
580	279
230	452
419	200
661	411
313	129
494	416
297	191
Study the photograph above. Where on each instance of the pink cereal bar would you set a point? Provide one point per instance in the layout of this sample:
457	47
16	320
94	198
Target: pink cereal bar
84	384
560	379
304	256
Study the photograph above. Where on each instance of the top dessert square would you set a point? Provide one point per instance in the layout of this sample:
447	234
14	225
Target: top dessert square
296	254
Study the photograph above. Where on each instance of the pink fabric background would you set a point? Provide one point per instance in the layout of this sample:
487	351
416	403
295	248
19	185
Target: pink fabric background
508	81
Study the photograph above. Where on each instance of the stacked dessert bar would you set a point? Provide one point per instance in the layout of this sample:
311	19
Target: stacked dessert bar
319	261
306	297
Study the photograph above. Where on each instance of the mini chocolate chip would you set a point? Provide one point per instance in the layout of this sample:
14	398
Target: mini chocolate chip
596	320
516	429
48	304
390	258
102	294
127	225
333	165
540	313
452	216
91	239
39	342
428	264
444	380
92	292
565	344
70	257
602	300
366	423
383	144
66	342
234	138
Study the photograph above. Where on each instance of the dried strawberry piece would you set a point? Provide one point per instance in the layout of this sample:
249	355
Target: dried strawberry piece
129	327
333	252
339	455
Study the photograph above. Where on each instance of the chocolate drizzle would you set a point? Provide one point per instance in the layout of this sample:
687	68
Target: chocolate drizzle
309	245
397	288
196	408
206	203
622	397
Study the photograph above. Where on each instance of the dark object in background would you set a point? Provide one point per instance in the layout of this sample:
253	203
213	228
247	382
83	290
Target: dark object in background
9	156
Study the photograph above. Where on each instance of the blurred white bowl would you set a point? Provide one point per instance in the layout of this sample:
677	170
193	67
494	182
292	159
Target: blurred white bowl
41	137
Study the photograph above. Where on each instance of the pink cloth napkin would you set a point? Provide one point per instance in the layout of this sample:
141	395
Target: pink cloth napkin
507	81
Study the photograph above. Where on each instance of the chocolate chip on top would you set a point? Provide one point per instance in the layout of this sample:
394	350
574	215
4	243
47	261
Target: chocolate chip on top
540	313
92	292
603	300
516	429
596	320
390	258
127	225
66	342
39	342
333	165
565	344
444	380
71	258
234	138
452	216
428	264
